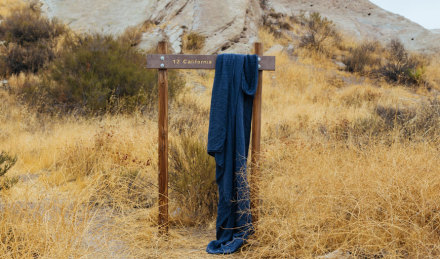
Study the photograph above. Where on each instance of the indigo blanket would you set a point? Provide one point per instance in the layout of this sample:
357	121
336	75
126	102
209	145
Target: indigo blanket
235	84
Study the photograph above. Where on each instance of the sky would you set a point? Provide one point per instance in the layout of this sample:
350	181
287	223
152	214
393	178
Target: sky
423	12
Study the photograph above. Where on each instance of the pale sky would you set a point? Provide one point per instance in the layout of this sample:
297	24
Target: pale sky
423	12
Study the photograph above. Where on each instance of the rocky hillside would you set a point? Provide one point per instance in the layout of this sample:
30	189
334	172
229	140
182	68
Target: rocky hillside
231	25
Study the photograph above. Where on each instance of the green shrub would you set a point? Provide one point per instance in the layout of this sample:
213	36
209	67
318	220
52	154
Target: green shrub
192	180
98	73
6	163
29	39
320	33
401	67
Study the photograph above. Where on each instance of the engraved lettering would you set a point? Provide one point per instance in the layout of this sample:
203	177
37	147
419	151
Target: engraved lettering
192	62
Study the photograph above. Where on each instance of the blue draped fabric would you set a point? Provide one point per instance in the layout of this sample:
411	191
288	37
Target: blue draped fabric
235	84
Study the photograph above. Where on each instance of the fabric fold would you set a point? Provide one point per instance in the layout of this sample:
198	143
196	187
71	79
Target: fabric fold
235	84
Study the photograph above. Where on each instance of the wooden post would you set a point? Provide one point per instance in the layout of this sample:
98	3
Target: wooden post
256	134
163	143
163	62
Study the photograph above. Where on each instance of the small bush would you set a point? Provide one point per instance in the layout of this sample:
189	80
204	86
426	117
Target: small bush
187	116
390	124
276	23
363	57
99	73
29	58
29	39
358	95
320	33
361	131
6	163
401	67
425	123
123	190
193	42
192	180
416	123
131	36
395	117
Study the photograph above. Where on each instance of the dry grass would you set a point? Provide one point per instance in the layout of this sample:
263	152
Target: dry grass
379	201
7	5
88	184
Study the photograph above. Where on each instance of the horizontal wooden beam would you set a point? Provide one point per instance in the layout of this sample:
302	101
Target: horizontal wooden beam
196	62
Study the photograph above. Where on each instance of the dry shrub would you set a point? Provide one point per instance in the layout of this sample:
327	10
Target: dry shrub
390	124
276	23
123	190
192	180
419	123
426	123
26	86
395	117
193	42
6	163
51	230
359	95
433	72
401	67
30	40
361	131
363	58
377	202
132	36
187	115
320	33
122	181
280	130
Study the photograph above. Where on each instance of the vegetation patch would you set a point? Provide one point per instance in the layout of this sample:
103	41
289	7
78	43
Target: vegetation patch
6	163
193	42
401	67
320	33
97	74
192	180
29	40
363	58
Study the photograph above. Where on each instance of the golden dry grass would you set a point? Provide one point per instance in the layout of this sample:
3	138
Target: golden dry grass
318	194
88	185
7	5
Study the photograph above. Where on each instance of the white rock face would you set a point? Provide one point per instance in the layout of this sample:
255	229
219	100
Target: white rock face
232	25
229	25
104	16
364	20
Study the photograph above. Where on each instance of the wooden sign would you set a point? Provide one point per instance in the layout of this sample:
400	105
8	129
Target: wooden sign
163	62
197	62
